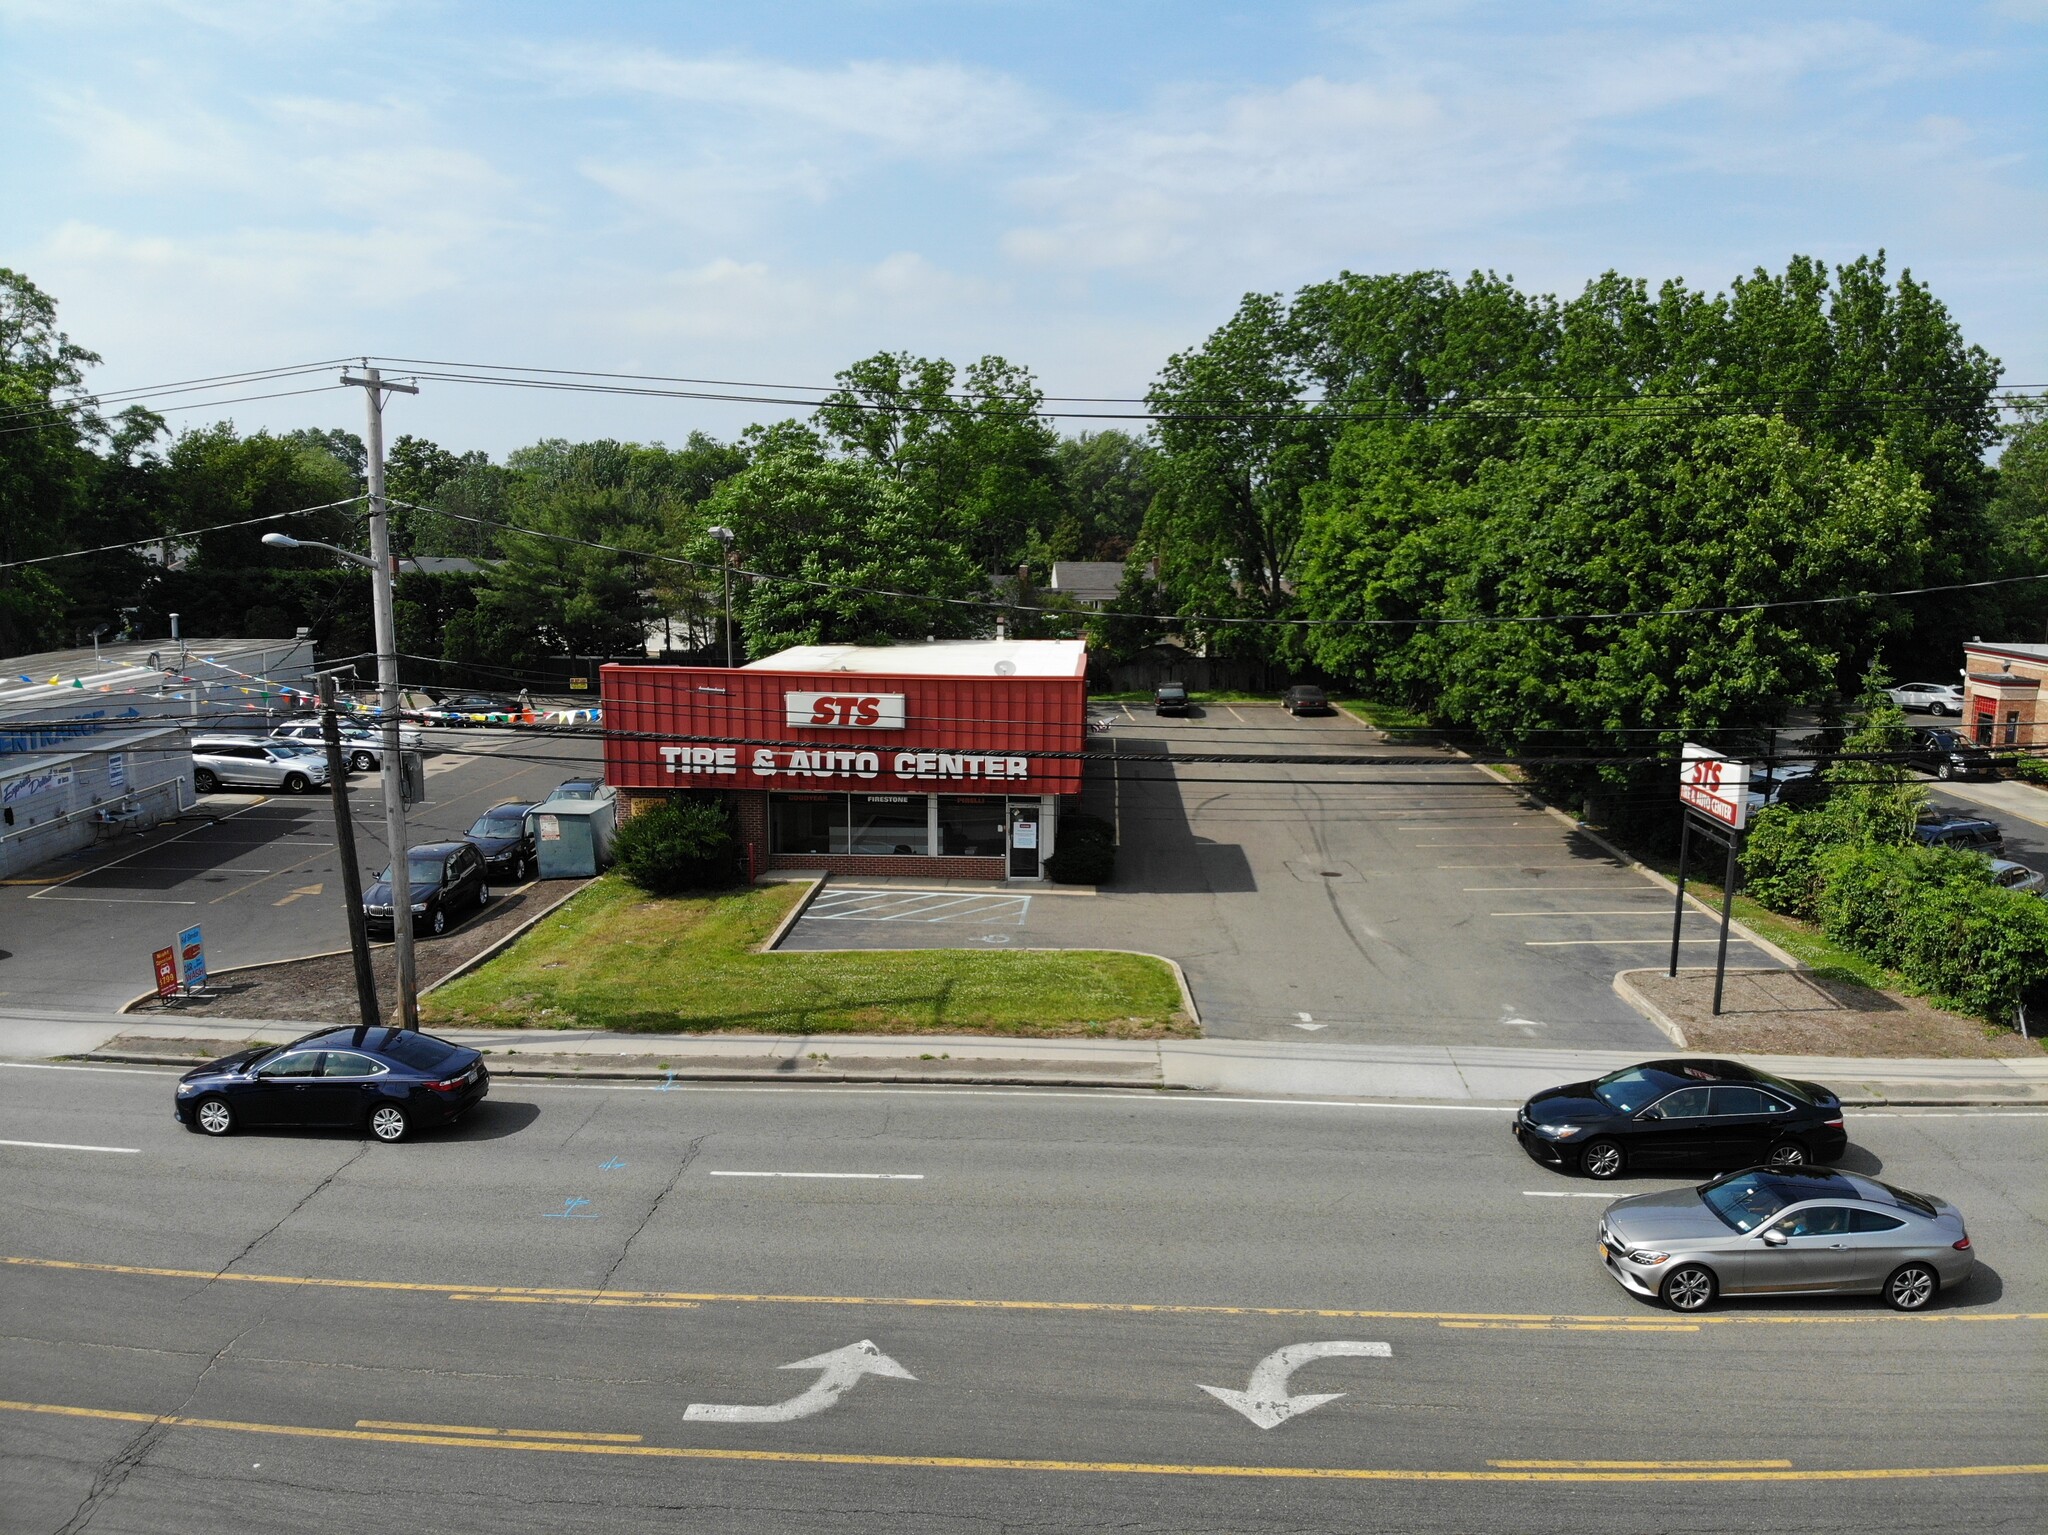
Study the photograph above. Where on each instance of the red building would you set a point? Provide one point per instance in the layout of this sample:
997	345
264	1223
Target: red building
2002	693
937	759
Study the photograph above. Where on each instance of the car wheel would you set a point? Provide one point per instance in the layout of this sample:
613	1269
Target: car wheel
483	896
1603	1159
1945	770
390	1123
522	871
1937	709
362	762
438	923
1689	1287
296	783
204	781
1912	1287
213	1116
1788	1154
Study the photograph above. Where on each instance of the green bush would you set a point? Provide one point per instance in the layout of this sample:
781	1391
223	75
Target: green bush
1781	859
1086	854
683	844
2031	769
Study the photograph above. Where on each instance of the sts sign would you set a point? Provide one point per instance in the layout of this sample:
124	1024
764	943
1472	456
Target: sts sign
839	711
1714	785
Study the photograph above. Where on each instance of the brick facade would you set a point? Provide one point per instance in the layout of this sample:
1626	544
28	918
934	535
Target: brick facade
2002	686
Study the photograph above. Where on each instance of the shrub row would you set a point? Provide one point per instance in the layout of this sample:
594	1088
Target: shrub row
1931	914
680	844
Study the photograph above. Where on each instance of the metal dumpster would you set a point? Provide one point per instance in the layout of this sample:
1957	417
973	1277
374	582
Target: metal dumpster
575	836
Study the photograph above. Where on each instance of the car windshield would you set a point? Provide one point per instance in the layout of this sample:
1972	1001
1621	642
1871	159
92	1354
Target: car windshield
499	824
418	872
1744	1201
1629	1089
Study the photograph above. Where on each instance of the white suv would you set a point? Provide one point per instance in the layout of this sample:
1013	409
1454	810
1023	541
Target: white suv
254	763
1935	697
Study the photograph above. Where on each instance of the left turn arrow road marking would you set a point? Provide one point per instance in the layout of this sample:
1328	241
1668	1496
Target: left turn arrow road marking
1266	1401
840	1371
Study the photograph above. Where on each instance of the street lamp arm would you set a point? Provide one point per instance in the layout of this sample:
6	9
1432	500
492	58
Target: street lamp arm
286	541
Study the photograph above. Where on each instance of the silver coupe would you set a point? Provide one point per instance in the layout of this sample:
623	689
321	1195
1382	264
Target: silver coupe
1804	1231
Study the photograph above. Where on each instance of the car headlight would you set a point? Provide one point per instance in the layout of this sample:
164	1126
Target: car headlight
1651	1259
418	907
1562	1132
187	1087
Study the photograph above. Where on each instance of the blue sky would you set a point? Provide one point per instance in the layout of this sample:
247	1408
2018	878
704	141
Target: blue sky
769	191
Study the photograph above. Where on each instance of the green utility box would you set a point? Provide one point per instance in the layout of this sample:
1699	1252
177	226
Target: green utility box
575	836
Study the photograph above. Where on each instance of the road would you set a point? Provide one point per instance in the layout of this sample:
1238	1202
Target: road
468	1347
261	876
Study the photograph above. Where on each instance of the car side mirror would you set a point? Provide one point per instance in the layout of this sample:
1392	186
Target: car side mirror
1775	1238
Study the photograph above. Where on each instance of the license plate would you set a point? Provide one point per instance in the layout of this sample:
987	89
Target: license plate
1603	1249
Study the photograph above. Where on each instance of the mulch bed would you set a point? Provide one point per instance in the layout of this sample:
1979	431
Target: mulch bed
1785	1012
323	989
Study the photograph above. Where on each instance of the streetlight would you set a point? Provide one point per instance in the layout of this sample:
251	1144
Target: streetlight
725	536
391	773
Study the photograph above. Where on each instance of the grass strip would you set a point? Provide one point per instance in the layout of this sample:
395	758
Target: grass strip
615	958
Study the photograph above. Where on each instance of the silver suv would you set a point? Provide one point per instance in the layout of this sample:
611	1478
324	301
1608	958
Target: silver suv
251	762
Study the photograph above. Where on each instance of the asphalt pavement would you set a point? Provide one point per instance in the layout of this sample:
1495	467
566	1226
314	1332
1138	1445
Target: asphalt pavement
259	874
579	1312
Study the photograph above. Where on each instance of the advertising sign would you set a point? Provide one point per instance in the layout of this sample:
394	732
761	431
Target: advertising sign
117	771
840	711
1716	786
166	972
192	956
765	766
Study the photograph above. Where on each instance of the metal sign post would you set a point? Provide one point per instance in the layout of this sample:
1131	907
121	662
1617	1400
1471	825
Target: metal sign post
1715	792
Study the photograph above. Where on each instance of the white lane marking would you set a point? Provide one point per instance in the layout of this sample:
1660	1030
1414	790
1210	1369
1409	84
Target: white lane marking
1266	1401
126	1151
109	900
1552	889
1639	911
118	1071
1612	943
1496	842
1563	1194
1119	1095
880	1177
842	1370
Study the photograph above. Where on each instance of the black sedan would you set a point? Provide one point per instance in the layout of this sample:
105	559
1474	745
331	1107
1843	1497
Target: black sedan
446	878
504	835
1682	1113
1949	754
388	1081
1306	700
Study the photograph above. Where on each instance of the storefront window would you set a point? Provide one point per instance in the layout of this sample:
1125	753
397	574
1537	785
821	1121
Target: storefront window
807	823
971	826
890	823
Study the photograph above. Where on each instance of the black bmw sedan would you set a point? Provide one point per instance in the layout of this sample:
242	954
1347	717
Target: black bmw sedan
1682	1113
388	1081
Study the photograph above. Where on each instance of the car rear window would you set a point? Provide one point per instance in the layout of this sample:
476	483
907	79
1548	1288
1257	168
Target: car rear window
422	1052
1908	1199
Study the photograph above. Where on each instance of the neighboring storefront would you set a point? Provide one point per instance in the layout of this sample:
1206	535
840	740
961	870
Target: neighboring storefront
2002	694
945	760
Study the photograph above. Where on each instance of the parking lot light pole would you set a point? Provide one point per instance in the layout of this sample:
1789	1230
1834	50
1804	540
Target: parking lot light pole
725	536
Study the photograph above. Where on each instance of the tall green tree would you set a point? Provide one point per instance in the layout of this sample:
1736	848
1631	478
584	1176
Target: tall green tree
1109	480
45	462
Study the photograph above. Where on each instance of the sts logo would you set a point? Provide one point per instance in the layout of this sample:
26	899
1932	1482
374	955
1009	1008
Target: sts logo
841	711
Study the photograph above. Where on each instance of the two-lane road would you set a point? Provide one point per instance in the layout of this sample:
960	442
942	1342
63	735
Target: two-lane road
508	1327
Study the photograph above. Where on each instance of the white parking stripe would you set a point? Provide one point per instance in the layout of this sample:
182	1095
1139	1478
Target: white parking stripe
1636	912
1581	943
1564	1194
877	1177
126	1151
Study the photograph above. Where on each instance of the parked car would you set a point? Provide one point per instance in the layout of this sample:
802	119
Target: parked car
253	762
1681	1113
1306	700
1798	784
388	1081
504	834
446	878
361	748
1935	697
581	788
1951	828
2008	875
1810	1231
1170	698
1949	754
469	709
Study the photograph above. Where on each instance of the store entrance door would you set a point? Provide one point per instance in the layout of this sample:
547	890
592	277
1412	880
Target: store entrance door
1024	839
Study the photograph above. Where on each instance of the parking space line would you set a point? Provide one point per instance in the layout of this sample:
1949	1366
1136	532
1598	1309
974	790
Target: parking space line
139	852
1555	889
110	900
126	1151
867	1177
287	869
1582	943
1638	912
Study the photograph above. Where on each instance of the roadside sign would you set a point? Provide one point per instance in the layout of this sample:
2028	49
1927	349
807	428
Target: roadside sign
117	771
166	972
1716	786
192	957
579	684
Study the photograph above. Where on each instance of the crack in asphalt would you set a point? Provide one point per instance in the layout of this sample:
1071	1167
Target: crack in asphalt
254	1242
690	1151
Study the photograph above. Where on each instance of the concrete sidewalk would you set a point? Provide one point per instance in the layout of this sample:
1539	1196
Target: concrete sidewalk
1474	1074
2021	800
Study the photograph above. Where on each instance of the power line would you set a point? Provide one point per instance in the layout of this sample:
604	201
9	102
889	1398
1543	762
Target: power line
283	394
100	398
158	538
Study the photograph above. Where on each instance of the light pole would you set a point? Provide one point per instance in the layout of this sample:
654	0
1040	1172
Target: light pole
390	764
725	536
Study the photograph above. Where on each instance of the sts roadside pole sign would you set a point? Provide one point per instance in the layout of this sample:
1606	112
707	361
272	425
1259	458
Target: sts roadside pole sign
1716	786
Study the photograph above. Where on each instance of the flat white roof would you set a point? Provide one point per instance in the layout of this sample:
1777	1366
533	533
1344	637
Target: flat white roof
943	658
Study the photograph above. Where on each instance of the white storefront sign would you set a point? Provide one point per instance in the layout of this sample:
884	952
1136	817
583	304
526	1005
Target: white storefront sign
1715	786
766	762
843	711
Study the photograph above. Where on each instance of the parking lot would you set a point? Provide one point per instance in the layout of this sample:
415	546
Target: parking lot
260	875
1409	904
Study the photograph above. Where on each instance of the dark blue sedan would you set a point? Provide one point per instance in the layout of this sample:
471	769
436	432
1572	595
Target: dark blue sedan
388	1081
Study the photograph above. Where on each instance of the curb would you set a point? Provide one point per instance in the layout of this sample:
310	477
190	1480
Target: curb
1180	977
265	964
769	944
493	949
1625	989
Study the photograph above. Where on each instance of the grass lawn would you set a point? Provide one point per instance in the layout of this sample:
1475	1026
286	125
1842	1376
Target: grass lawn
614	958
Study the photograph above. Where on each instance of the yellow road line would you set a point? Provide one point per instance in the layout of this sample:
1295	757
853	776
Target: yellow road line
507	1433
963	1303
1642	1465
577	1300
1577	1326
1006	1463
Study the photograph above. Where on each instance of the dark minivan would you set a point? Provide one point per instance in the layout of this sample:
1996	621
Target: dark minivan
504	835
390	1082
1951	828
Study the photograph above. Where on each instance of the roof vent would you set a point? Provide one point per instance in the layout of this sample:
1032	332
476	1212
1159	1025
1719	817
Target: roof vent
1006	668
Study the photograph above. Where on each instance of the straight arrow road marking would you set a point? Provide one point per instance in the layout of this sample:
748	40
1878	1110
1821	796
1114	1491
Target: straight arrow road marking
303	890
1266	1401
840	1371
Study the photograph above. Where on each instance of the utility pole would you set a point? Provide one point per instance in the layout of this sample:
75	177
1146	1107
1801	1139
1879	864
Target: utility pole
345	840
392	765
725	537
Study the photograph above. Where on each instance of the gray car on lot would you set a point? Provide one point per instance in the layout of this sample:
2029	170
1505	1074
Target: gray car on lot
1814	1231
252	762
